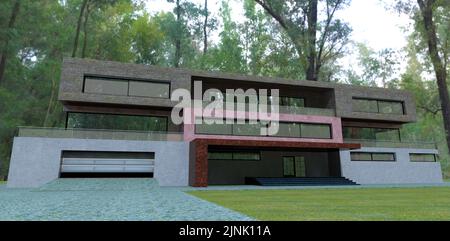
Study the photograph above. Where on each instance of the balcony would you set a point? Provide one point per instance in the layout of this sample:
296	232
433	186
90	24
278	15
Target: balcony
393	144
99	134
293	110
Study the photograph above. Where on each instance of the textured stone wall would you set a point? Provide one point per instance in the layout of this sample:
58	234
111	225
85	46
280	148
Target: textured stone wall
402	171
36	161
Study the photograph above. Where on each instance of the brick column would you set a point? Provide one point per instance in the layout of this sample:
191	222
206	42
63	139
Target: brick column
201	164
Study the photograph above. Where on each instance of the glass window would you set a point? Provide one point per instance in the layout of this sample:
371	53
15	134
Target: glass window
422	157
363	105
383	157
214	128
288	130
149	89
391	107
238	156
116	122
372	156
322	131
247	129
247	156
105	86
366	133
220	155
378	106
361	156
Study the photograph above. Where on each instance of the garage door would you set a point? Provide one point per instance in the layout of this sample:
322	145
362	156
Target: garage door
107	162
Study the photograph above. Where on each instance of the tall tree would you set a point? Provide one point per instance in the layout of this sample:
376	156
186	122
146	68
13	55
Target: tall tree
439	59
317	42
205	28
78	29
4	53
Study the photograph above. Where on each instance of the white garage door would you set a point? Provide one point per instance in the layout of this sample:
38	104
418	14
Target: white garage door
92	163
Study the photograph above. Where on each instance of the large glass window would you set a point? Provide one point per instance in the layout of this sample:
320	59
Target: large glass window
366	133
247	129
214	128
288	129
149	89
321	131
422	157
105	86
116	122
116	86
285	129
372	156
378	106
237	156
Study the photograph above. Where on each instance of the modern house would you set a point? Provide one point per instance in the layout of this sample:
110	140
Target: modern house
119	124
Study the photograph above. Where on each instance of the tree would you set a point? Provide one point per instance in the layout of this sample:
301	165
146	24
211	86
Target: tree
427	7
317	42
377	66
432	19
205	28
10	27
77	31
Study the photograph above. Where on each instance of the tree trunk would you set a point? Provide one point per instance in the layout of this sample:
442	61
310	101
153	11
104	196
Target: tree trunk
4	54
205	30
426	9
85	30
178	38
77	33
311	72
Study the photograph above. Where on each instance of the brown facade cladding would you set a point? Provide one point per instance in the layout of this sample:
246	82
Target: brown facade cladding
338	96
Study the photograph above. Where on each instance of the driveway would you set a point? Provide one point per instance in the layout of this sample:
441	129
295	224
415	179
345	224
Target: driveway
107	199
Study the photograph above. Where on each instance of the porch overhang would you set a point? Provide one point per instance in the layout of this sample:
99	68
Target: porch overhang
199	171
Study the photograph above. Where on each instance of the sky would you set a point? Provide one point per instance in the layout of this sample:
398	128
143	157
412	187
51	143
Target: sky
371	22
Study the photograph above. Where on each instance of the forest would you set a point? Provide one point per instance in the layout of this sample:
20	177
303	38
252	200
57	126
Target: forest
296	39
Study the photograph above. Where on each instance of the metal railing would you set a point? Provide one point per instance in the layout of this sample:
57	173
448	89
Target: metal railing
393	144
289	110
98	134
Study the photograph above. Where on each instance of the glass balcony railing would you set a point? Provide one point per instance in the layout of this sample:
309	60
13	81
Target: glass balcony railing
290	110
393	144
99	134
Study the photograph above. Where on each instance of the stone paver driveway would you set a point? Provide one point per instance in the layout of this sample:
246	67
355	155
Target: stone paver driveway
107	199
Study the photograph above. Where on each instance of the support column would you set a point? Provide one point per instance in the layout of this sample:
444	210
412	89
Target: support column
201	164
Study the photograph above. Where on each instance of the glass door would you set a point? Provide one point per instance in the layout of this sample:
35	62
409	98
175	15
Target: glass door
294	166
288	166
300	167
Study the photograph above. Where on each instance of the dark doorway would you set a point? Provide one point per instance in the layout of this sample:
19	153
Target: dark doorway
294	166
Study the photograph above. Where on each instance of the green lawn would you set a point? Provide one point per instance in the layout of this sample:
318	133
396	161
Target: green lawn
432	203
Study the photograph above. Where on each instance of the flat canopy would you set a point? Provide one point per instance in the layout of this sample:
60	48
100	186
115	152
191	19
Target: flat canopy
285	144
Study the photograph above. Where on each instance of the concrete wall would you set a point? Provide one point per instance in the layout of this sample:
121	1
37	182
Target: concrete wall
36	161
402	171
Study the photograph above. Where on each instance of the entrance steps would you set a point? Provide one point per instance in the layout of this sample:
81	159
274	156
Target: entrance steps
299	181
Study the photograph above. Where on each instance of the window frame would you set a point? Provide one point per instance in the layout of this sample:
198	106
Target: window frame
128	80
166	120
402	103
433	154
371	156
232	155
330	128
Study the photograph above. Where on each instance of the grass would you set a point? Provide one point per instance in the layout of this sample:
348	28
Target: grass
429	203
